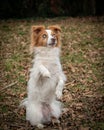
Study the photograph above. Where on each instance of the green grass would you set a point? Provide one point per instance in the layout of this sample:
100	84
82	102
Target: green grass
4	109
5	28
98	126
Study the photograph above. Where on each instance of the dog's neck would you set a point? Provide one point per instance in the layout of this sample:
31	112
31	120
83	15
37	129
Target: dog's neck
47	52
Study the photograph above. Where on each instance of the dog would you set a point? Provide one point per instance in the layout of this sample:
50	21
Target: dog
47	79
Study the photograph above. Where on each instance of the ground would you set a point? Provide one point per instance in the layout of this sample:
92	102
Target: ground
82	60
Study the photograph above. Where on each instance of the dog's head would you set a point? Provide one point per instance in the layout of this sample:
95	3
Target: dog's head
49	37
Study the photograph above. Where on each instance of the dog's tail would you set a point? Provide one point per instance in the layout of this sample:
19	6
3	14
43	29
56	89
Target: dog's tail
24	103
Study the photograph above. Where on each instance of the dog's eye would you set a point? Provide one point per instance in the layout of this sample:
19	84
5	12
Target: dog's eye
44	36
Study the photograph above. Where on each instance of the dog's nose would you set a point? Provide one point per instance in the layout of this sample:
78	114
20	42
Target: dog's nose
53	40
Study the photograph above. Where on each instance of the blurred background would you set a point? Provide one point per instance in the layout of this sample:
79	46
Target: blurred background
50	8
82	58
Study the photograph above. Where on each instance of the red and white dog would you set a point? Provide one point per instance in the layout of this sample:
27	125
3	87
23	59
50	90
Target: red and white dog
46	76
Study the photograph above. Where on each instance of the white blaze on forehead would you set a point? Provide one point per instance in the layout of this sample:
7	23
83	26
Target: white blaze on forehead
49	32
49	36
51	41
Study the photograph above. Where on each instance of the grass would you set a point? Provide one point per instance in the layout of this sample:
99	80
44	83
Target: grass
82	60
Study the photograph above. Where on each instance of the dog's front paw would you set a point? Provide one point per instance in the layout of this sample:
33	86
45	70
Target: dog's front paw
58	94
46	74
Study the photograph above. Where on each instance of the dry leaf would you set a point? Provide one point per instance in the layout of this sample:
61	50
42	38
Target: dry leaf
72	68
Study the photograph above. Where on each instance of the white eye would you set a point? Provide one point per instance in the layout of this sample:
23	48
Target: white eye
44	35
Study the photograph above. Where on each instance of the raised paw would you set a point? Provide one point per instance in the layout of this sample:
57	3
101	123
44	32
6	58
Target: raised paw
46	74
58	94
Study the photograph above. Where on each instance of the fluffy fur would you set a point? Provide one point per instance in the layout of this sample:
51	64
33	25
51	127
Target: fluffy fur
47	79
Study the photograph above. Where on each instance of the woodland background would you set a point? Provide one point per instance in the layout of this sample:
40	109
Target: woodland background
50	8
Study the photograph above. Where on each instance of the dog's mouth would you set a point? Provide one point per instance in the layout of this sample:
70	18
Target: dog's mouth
52	44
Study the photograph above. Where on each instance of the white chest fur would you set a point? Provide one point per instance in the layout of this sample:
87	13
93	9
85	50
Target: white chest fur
46	74
49	57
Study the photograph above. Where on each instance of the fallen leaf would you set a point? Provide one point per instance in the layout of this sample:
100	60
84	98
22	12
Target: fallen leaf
72	68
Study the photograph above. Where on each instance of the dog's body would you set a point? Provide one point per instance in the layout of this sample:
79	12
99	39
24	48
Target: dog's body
45	84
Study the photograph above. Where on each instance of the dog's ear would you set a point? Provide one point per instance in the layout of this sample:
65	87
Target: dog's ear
35	30
55	28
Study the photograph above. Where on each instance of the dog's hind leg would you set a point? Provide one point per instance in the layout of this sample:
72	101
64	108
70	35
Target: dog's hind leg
56	109
34	114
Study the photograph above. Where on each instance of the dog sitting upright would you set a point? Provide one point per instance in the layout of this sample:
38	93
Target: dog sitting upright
46	76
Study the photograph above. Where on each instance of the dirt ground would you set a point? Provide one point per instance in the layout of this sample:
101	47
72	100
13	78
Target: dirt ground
82	58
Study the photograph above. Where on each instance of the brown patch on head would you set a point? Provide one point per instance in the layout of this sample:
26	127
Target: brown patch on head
42	38
35	33
57	31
